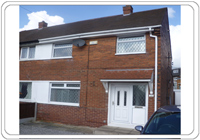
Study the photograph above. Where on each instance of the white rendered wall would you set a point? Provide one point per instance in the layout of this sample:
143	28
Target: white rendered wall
43	51
40	91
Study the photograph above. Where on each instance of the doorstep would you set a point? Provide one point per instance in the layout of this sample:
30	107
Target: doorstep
110	130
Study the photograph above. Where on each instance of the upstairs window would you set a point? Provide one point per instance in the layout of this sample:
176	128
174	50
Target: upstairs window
27	52
62	50
131	45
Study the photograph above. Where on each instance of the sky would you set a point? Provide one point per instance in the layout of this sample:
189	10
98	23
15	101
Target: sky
30	15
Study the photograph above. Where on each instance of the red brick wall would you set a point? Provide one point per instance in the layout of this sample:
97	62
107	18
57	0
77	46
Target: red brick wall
102	56
166	89
71	115
93	99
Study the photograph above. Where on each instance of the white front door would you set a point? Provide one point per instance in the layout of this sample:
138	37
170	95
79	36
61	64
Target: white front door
128	104
121	104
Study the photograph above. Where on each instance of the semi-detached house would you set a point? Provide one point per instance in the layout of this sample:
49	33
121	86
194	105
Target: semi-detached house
112	71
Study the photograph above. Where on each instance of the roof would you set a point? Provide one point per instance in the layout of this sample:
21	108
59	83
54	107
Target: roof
170	108
138	19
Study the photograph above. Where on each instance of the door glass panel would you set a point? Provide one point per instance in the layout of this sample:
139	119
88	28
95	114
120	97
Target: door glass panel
139	92
118	97
124	98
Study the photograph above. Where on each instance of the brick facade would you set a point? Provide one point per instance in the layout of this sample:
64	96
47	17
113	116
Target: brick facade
166	64
91	63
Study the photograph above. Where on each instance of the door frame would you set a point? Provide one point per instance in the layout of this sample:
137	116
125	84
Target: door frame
109	122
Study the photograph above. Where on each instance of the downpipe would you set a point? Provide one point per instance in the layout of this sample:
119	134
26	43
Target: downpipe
35	112
156	68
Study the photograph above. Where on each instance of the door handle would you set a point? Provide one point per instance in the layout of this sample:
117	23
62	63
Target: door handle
113	102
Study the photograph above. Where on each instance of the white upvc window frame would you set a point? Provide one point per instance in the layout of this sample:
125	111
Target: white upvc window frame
65	87
130	41
27	56
53	49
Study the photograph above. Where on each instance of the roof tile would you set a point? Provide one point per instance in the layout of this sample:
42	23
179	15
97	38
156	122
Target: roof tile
138	19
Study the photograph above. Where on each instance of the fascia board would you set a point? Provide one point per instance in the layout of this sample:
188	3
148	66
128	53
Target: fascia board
99	33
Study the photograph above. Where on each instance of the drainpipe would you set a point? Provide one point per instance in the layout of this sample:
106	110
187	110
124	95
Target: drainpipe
35	112
156	69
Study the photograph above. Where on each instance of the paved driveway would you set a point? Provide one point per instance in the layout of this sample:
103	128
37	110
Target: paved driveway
43	128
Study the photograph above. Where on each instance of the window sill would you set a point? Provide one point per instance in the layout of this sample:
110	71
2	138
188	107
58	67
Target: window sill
25	100
45	59
66	104
130	53
61	57
26	59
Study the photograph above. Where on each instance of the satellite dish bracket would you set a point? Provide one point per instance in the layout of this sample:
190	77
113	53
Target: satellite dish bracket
79	42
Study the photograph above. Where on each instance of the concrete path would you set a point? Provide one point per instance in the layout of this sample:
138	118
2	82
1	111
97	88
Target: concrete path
109	130
44	128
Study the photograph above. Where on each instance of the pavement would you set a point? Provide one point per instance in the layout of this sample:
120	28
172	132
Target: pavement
46	128
110	130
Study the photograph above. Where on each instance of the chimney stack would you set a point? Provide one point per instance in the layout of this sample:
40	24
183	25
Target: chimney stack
42	24
127	10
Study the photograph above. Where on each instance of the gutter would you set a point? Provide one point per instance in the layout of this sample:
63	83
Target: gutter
28	43
156	68
97	34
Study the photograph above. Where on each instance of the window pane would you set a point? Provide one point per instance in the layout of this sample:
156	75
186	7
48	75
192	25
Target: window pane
63	45
31	52
124	98
24	52
57	85
63	52
125	47
73	85
118	97
139	92
131	38
25	90
65	95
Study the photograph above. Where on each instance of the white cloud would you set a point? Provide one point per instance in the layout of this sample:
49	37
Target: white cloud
176	43
171	12
36	17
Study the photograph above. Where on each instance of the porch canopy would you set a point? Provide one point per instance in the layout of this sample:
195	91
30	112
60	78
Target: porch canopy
137	76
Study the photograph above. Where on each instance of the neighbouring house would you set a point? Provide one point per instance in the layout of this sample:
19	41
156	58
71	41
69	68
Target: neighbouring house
177	85
112	70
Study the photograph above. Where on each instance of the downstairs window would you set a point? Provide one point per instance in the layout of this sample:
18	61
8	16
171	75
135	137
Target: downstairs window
25	89
65	93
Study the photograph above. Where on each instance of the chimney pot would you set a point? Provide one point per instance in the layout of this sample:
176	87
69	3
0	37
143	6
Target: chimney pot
127	10
42	24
